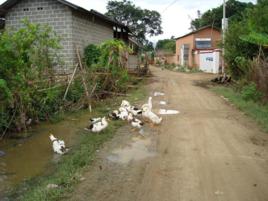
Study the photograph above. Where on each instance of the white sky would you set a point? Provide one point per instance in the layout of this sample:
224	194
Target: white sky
176	15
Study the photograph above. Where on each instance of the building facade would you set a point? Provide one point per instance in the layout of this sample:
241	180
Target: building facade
190	47
77	27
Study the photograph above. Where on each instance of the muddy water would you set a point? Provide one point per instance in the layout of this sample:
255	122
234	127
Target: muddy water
30	157
138	149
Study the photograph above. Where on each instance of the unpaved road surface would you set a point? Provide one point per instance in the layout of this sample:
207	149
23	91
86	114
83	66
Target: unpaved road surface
208	152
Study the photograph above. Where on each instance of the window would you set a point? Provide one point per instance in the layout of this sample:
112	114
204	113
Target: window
203	43
25	9
40	8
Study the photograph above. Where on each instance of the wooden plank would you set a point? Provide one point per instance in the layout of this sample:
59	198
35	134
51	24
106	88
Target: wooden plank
70	82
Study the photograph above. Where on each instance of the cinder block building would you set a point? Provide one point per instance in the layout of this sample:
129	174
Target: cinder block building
75	25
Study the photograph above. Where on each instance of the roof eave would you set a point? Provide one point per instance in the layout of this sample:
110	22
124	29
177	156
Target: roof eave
200	29
9	3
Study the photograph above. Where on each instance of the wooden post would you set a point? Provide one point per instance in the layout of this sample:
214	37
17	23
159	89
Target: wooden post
83	79
70	82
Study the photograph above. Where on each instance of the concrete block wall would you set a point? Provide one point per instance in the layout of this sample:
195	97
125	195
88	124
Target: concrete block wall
89	30
50	12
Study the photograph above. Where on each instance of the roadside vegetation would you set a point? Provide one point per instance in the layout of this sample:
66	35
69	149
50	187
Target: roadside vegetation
30	88
248	100
166	45
68	172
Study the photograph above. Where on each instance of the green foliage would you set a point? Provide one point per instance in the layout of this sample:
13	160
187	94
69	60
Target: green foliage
250	92
92	54
29	90
26	67
238	52
244	39
168	45
257	26
260	39
148	46
113	54
142	22
234	11
5	93
114	59
257	111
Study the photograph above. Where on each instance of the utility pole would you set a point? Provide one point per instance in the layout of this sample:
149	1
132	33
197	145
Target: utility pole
223	34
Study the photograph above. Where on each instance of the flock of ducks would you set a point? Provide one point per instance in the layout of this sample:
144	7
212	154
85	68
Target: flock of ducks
125	112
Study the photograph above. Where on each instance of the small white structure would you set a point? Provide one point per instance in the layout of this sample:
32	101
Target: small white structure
209	61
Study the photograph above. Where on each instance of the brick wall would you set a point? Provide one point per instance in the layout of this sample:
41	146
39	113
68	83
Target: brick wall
50	12
189	40
88	29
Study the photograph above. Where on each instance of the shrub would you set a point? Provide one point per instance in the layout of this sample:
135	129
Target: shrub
92	54
250	92
26	71
114	54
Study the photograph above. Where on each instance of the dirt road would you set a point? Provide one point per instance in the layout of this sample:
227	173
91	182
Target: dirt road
208	152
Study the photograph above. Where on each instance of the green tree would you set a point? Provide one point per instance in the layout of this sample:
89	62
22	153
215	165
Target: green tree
148	47
166	45
244	39
142	22
213	17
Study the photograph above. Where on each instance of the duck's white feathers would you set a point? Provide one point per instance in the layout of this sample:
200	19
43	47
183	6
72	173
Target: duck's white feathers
151	116
58	145
149	104
98	126
136	123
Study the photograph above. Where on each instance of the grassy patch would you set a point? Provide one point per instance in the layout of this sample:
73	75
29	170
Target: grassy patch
256	110
68	171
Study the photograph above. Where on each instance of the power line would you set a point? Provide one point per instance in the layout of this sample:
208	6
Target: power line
169	5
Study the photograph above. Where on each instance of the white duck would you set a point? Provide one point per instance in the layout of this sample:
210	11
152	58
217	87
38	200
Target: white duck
135	111
130	117
95	120
149	104
147	113
125	104
98	126
136	123
123	113
58	145
114	115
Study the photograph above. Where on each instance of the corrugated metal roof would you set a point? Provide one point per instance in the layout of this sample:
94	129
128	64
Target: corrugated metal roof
10	3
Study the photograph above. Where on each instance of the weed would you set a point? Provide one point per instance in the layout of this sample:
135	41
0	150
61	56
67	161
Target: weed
257	111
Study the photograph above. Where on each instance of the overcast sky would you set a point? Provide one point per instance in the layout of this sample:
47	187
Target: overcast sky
176	15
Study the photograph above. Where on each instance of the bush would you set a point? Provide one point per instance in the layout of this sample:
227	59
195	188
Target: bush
26	70
250	93
29	91
92	54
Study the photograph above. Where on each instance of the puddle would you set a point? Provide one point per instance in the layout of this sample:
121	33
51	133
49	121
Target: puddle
139	149
168	112
21	160
158	93
163	103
